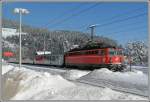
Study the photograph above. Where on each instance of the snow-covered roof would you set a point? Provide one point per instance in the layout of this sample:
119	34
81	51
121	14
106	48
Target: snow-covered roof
10	31
43	52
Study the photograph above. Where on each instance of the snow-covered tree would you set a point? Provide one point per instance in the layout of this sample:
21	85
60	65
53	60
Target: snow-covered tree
138	52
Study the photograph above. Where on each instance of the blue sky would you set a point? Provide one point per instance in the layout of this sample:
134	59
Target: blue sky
123	22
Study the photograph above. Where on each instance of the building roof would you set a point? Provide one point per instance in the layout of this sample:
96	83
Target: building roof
43	52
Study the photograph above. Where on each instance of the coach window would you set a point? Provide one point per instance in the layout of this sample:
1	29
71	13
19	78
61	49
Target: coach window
79	53
75	53
99	52
90	52
93	52
96	52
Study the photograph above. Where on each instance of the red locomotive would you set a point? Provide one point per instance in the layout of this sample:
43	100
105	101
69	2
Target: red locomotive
111	58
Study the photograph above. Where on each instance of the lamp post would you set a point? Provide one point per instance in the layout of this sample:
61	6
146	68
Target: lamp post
20	11
92	30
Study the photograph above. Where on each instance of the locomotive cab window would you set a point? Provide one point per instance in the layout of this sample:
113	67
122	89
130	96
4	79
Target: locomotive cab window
112	52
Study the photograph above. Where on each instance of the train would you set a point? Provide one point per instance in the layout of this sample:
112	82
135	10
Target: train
87	57
108	57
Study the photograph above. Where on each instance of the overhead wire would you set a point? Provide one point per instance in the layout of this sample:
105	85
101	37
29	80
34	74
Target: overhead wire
109	23
127	25
114	17
121	20
76	14
127	30
64	13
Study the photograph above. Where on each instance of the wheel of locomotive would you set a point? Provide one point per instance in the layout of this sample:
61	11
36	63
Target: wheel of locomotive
121	67
124	67
115	68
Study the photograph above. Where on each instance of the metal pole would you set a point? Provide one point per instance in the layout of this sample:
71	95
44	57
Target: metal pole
20	41
149	49
44	44
92	33
130	62
34	44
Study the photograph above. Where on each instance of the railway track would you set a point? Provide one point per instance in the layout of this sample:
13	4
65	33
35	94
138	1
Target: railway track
42	65
52	66
84	81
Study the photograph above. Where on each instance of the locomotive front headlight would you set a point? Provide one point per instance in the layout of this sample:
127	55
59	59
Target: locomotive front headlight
116	59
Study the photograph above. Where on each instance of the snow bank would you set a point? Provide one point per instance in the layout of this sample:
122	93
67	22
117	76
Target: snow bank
22	84
6	68
134	77
26	84
74	74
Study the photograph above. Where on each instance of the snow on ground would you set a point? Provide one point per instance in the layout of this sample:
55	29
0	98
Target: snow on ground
138	67
144	69
74	74
6	68
86	92
27	84
134	82
134	77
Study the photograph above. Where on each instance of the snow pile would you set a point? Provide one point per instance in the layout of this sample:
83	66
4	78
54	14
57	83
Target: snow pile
6	68
134	77
74	74
26	84
3	61
22	84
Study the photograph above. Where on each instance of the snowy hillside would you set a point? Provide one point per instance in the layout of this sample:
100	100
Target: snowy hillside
27	84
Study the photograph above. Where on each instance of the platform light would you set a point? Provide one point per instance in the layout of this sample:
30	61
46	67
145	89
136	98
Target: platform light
20	11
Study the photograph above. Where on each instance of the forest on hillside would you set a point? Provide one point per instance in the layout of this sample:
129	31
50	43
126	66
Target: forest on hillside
57	42
61	41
